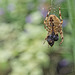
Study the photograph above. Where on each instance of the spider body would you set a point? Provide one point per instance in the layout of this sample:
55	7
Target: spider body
51	38
53	25
50	41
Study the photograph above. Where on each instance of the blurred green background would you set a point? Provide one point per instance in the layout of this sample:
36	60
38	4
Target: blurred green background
22	34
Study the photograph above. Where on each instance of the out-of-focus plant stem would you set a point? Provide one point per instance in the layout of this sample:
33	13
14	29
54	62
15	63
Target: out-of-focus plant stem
71	9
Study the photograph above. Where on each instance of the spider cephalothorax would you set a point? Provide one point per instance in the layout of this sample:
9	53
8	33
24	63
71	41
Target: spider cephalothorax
53	25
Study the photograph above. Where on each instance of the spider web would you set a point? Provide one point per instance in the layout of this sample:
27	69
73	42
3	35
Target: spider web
55	4
64	8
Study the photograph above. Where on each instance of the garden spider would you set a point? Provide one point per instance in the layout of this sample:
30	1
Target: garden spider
53	24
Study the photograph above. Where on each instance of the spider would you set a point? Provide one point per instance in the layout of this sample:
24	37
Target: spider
53	24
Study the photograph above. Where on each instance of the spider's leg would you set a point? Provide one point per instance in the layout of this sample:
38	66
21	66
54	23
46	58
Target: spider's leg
46	28
60	16
49	32
60	26
45	39
61	33
45	21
